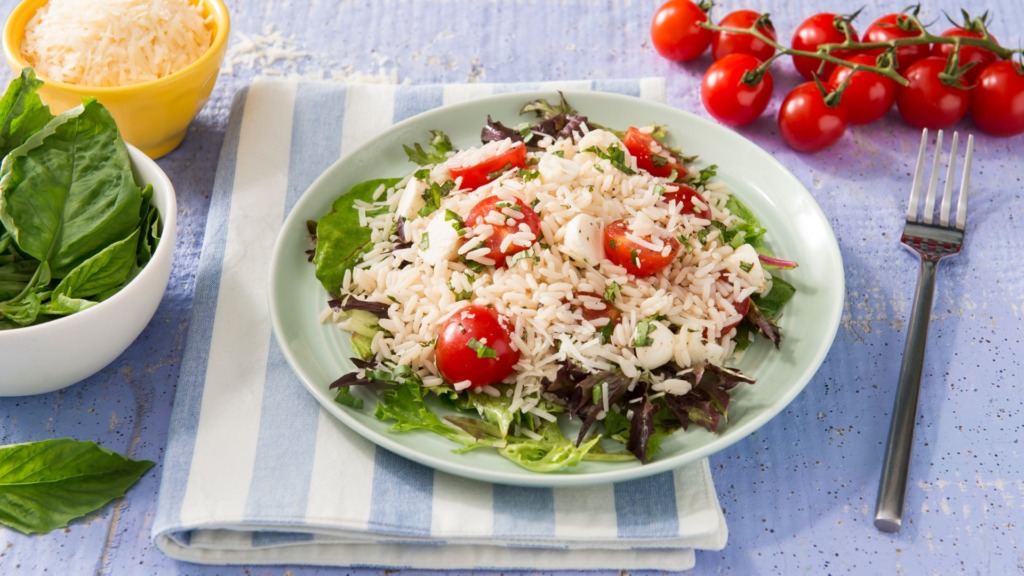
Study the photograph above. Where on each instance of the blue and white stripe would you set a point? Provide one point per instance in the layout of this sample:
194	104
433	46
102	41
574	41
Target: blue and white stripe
255	472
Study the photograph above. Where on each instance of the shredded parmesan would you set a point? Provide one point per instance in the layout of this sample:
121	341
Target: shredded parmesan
114	42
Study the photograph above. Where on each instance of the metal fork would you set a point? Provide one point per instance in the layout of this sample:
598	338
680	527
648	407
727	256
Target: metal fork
931	240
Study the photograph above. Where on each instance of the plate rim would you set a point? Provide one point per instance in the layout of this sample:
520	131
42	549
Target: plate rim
629	471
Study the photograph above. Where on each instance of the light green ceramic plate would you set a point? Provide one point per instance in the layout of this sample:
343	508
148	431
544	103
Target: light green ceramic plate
798	230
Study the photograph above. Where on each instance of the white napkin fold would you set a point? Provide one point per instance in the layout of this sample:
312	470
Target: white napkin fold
256	473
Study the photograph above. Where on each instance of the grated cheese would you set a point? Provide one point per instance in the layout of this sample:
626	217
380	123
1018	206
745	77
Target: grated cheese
114	42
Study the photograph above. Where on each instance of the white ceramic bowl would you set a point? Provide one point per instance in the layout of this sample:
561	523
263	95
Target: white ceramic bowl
47	357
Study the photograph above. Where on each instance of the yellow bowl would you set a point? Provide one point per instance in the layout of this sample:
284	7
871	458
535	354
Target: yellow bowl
153	116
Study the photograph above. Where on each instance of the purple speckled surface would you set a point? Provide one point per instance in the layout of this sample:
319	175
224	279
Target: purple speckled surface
799	494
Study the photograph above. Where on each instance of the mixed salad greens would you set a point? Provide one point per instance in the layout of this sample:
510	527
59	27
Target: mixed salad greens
75	227
607	408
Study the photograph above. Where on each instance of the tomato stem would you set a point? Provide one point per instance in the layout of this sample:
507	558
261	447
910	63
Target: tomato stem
824	51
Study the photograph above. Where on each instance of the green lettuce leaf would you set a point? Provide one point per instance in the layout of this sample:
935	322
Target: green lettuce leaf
405	407
340	240
551	453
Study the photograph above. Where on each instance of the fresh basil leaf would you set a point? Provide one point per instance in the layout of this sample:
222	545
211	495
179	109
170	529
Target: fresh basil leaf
101	273
22	113
46	484
68	191
340	240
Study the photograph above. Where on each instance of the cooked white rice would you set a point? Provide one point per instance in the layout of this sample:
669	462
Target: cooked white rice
543	297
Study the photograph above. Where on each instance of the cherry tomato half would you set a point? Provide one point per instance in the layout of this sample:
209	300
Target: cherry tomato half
725	43
868	96
637	259
650	154
476	175
505	217
727	97
742	307
968	54
686	198
928	103
675	32
893	27
807	123
474	344
997	99
817	30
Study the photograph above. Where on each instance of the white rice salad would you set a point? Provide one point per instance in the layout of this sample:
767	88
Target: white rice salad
555	291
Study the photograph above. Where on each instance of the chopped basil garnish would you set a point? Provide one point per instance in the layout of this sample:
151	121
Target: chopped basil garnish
482	350
643	333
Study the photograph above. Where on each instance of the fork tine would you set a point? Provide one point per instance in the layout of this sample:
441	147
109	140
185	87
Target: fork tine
933	182
915	186
965	184
948	190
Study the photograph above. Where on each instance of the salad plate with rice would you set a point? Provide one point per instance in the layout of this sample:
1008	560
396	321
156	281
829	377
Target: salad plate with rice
556	289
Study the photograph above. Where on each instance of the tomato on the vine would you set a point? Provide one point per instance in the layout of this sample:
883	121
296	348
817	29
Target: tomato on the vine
725	43
675	32
475	345
650	154
977	55
997	99
727	97
807	123
476	175
926	102
894	27
638	259
505	217
687	200
868	95
817	30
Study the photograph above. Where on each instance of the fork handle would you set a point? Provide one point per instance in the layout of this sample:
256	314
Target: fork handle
892	486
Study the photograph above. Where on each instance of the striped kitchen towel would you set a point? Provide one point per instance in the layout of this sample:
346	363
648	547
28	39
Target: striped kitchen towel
255	472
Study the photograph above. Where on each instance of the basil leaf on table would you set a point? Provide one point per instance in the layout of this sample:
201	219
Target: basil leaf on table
46	484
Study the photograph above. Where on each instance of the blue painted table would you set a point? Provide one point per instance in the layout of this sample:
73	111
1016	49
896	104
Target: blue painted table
799	494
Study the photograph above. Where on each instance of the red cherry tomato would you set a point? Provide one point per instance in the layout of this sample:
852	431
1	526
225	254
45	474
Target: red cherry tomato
650	154
474	344
868	96
928	103
607	309
981	57
685	197
675	32
513	215
725	43
813	32
727	98
476	175
635	258
997	99
893	27
807	123
742	307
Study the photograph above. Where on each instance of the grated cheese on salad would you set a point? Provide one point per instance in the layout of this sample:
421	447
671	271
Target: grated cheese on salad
114	42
